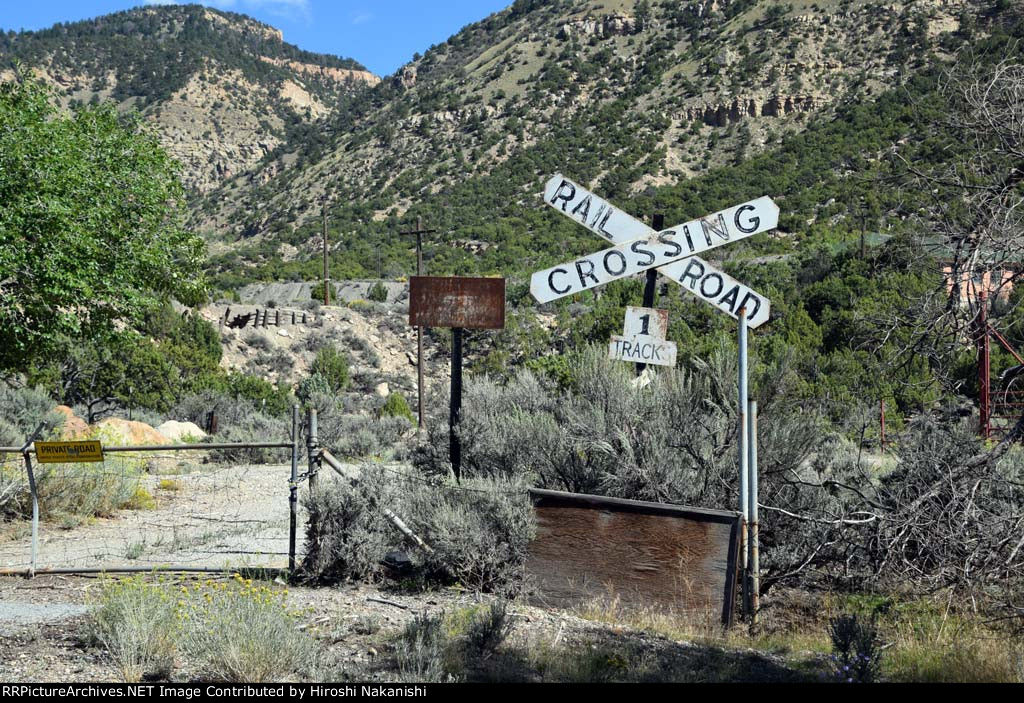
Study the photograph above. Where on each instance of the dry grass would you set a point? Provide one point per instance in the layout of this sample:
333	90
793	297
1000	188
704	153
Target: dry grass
923	640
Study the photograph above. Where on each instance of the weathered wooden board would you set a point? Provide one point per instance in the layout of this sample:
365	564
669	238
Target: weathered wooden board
678	559
470	303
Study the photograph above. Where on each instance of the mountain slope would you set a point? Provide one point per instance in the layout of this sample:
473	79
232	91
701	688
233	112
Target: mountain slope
222	89
622	94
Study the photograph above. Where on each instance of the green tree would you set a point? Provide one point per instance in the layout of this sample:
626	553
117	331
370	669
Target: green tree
91	235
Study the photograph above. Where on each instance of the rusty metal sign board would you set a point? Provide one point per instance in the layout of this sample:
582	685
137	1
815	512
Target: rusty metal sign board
69	452
467	303
679	559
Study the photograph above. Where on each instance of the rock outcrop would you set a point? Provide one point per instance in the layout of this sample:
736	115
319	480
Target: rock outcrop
612	25
740	108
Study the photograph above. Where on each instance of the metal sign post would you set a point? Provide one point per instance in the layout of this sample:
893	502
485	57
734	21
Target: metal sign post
741	433
455	410
459	304
754	555
651	284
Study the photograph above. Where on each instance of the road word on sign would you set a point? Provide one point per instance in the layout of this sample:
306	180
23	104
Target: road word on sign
643	339
69	452
688	270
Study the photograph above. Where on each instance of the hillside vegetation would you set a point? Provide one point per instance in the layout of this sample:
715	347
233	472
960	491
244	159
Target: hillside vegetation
222	89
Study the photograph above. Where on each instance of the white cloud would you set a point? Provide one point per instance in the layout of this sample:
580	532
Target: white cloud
362	18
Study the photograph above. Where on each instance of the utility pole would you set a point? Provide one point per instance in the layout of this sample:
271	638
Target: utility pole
327	270
419	232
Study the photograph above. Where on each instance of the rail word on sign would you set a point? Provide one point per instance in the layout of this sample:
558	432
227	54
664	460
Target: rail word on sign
696	276
643	339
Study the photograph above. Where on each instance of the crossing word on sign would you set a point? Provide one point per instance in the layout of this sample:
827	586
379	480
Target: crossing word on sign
690	271
643	339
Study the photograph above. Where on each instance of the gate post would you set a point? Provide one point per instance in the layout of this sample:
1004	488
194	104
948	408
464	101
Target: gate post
293	492
313	451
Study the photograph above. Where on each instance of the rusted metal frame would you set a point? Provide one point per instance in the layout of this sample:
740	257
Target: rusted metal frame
339	469
446	301
562	498
1006	345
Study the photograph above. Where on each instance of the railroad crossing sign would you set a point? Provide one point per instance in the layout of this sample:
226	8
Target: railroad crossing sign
643	339
672	251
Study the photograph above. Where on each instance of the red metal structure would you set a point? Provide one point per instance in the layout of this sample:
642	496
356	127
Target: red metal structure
1000	406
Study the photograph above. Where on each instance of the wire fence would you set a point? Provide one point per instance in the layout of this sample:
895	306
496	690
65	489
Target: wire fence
145	508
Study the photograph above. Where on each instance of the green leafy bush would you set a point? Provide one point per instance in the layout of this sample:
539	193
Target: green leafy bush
332	364
397	406
378	293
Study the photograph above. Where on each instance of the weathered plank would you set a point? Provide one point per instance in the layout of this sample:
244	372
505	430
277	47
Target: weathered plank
679	559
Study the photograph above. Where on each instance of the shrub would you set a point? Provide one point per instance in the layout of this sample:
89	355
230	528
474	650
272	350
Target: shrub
21	411
488	628
258	341
332	365
137	622
856	655
236	632
348	539
243	633
420	651
69	492
356	436
378	293
310	386
317	293
479	530
397	406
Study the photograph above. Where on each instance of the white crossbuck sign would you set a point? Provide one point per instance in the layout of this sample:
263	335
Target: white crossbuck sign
672	251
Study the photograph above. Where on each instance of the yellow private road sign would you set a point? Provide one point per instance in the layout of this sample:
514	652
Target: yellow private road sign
69	452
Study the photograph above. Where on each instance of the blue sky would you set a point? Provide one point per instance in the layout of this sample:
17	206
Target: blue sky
381	34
